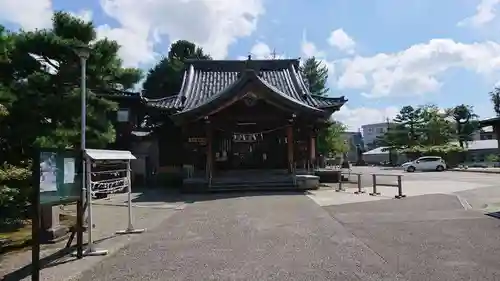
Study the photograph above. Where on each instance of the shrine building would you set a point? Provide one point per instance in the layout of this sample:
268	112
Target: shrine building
248	122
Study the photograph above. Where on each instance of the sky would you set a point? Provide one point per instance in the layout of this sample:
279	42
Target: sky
381	54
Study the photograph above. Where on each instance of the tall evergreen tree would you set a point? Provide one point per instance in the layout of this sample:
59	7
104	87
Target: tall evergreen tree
40	96
165	78
316	75
409	120
465	121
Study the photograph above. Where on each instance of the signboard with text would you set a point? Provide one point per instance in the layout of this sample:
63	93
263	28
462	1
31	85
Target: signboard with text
59	175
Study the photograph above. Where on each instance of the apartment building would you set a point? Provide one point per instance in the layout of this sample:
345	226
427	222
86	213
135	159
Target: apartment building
371	132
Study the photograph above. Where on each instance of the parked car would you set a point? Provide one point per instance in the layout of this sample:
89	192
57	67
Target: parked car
426	163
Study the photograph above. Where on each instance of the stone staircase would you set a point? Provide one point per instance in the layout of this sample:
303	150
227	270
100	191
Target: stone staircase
243	180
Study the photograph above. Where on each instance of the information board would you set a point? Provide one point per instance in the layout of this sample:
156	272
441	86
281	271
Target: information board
60	177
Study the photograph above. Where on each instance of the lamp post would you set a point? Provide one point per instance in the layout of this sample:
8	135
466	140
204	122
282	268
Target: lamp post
83	52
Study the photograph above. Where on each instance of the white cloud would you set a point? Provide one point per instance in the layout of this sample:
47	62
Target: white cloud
136	46
260	51
85	15
27	13
214	24
309	49
339	39
485	13
416	70
354	118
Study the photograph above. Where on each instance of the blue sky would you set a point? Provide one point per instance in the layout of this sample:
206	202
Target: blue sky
382	54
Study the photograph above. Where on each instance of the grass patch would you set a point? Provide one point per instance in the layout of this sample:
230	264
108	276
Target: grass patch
15	237
18	236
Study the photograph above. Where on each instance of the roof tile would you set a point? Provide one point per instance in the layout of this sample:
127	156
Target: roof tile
209	78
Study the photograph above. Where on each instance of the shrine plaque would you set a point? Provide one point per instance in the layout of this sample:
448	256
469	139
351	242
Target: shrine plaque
197	140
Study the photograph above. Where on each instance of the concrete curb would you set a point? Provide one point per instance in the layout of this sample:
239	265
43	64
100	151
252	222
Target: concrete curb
475	171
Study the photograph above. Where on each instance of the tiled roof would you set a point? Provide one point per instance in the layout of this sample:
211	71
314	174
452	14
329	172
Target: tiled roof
205	80
163	103
490	121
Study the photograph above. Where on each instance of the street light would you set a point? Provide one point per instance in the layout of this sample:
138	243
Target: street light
83	52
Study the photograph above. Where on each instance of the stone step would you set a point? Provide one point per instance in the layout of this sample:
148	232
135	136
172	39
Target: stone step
253	187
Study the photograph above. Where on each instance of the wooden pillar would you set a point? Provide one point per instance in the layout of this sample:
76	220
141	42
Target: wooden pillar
312	149
209	135
290	147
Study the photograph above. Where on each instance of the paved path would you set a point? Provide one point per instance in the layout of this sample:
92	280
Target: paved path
274	237
441	241
477	189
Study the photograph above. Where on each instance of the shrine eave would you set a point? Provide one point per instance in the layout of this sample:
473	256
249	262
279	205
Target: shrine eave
495	121
209	84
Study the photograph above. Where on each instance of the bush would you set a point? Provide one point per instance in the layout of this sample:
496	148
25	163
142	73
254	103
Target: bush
492	158
15	191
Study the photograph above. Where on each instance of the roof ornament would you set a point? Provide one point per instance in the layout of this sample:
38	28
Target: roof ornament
273	54
247	62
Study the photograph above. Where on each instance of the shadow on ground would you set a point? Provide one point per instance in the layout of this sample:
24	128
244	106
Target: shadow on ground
64	255
172	196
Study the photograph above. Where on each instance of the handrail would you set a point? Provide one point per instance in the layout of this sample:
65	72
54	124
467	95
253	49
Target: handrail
349	173
399	185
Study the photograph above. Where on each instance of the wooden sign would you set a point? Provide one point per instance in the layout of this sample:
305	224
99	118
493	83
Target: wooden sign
247	137
197	140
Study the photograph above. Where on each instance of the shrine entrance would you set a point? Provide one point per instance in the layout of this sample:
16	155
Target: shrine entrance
249	151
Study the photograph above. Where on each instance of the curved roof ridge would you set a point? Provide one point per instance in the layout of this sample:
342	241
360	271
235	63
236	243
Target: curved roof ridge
160	99
277	91
300	80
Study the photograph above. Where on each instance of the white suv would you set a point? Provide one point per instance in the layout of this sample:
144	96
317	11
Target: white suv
426	163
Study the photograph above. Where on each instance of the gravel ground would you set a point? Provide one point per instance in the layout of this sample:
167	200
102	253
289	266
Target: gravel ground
108	219
273	237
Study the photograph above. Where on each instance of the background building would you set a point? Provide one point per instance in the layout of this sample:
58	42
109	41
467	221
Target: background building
371	132
485	133
355	142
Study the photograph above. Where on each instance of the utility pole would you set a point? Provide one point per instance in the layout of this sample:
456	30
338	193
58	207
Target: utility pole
390	149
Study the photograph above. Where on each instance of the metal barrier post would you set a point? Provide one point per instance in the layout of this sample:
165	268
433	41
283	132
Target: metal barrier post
374	192
400	189
340	183
360	191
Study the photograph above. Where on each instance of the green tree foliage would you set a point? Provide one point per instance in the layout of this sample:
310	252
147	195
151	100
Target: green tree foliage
316	75
436	128
421	130
410	120
165	78
492	158
331	139
40	96
466	123
495	100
